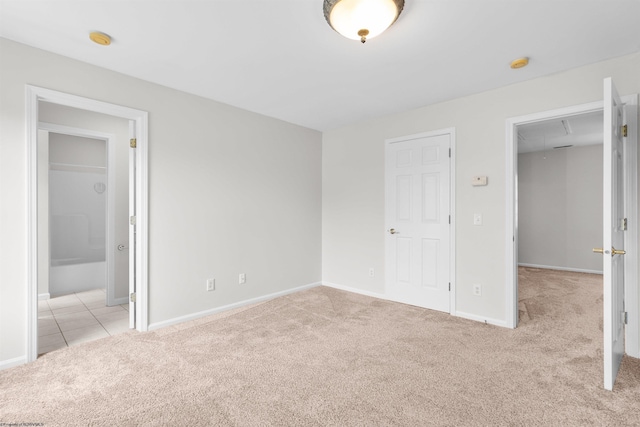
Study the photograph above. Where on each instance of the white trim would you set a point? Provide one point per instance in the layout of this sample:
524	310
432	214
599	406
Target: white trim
553	267
632	337
487	320
200	314
356	291
33	96
142	223
452	229
31	116
452	205
10	363
131	232
42	297
632	329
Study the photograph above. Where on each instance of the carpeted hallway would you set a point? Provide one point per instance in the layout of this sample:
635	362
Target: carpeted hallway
326	357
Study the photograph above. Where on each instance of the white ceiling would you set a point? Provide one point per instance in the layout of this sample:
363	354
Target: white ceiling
281	59
575	131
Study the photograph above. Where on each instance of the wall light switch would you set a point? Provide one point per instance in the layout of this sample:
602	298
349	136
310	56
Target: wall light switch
477	219
478	181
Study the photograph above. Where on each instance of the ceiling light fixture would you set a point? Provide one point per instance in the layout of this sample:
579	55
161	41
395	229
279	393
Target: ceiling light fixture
361	19
100	38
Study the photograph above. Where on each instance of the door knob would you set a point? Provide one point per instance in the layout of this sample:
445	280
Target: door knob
614	251
392	231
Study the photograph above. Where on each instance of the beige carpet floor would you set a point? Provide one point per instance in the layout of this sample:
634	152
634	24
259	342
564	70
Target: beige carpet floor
324	357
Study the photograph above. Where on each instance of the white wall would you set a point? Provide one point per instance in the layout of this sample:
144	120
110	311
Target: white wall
78	213
560	208
353	180
230	192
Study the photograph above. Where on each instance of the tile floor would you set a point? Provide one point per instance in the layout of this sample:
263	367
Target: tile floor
76	318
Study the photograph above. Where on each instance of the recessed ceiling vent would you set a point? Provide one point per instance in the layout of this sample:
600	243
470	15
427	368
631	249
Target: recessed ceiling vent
562	146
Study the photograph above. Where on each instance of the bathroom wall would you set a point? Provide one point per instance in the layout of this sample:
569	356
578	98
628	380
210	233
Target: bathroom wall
77	213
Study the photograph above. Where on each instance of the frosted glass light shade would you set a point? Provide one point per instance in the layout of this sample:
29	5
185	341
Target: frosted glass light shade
351	17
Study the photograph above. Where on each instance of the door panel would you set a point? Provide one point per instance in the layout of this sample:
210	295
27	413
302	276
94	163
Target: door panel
418	200
430	198
430	267
613	234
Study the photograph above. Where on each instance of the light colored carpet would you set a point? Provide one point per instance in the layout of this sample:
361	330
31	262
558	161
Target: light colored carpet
326	357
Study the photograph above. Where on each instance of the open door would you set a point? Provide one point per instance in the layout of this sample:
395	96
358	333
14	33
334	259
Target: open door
613	233
132	225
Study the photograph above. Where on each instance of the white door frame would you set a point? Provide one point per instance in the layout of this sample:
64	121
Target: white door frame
511	220
34	95
109	139
452	206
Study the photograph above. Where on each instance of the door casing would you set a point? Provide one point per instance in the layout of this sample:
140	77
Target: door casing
632	337
34	95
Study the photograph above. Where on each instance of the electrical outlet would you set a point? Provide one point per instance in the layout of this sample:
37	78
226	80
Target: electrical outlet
372	272
477	289
242	278
211	284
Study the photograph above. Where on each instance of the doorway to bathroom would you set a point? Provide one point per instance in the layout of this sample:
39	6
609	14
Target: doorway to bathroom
83	227
88	202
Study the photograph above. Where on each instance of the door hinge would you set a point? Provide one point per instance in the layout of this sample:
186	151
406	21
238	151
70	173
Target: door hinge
133	143
132	297
624	224
625	317
449	286
624	131
132	220
449	152
449	219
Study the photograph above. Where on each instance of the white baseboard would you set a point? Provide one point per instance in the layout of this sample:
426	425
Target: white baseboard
355	290
44	296
194	316
553	267
464	315
481	319
6	364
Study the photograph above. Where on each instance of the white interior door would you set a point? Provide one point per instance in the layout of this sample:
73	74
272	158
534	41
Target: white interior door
613	234
418	221
132	226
